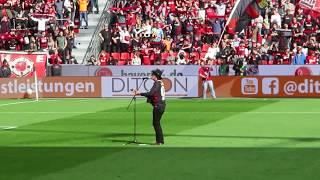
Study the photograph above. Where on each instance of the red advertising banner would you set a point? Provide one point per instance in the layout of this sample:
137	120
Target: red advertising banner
51	87
267	86
313	5
23	64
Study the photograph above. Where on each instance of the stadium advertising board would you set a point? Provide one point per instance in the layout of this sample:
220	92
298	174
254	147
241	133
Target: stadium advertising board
23	64
267	86
187	70
51	87
130	71
289	70
124	71
179	86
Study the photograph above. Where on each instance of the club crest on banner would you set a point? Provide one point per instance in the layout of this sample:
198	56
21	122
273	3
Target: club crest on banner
21	66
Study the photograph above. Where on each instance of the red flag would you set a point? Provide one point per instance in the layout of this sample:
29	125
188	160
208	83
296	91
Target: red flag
243	12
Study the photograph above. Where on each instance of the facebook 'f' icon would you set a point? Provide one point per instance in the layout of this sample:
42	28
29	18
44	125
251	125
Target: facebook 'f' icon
270	86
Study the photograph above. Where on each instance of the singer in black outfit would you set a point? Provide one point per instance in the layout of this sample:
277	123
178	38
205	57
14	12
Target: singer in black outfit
156	97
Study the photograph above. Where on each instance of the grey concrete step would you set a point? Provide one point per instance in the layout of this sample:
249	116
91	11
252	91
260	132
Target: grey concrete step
83	39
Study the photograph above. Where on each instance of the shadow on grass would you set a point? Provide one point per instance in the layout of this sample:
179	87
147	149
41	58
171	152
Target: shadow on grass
118	137
83	163
99	130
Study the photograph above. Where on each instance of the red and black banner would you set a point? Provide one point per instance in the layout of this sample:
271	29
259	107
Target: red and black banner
244	11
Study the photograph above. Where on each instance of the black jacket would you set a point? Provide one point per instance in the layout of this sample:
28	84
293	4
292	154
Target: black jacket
5	72
156	96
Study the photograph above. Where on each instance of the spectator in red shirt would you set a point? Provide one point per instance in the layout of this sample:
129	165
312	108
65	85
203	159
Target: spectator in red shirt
103	58
205	76
312	58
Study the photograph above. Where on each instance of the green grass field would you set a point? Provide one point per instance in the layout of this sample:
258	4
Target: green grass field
226	139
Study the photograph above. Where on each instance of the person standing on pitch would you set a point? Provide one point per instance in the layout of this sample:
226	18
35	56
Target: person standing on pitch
204	73
156	97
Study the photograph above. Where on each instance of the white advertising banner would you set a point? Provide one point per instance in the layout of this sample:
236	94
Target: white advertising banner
187	70
132	71
289	70
179	86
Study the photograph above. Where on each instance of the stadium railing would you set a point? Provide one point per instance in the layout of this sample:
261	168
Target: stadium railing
94	47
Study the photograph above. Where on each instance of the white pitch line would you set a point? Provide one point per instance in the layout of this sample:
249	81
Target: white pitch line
83	112
89	112
15	103
8	127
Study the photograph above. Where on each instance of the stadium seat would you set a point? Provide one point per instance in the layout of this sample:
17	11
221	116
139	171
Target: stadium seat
264	62
122	62
146	60
187	55
287	62
175	54
163	61
152	58
116	56
164	56
271	62
125	56
195	55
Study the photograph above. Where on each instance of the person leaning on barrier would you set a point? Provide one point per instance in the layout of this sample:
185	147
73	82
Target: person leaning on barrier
237	66
5	70
92	61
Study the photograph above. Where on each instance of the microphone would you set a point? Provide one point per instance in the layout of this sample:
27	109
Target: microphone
145	78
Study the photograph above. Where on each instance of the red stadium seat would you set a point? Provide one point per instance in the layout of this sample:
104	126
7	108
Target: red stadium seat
122	62
116	56
146	60
163	61
271	62
195	55
187	55
164	56
125	56
151	58
175	54
264	62
287	62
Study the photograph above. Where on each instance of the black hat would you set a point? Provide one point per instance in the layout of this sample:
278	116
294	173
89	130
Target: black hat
157	73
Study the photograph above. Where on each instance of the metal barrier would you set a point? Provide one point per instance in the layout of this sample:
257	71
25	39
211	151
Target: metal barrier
94	47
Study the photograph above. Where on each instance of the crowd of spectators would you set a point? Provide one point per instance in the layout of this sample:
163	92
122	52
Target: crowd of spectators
178	32
43	25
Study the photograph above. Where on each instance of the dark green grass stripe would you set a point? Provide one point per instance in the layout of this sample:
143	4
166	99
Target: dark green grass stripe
159	163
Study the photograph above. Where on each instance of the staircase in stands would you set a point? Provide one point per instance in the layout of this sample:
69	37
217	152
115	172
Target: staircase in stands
85	35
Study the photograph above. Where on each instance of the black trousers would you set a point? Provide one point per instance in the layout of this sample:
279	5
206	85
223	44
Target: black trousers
158	111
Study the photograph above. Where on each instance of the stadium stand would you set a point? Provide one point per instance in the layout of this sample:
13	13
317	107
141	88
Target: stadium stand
191	29
145	32
48	25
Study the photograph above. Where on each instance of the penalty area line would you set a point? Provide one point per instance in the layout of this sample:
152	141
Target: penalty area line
8	127
15	103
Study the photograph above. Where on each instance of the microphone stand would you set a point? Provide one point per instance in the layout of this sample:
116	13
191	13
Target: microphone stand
134	101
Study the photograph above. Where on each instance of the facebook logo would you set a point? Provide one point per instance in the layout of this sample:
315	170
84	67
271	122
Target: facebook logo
270	86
